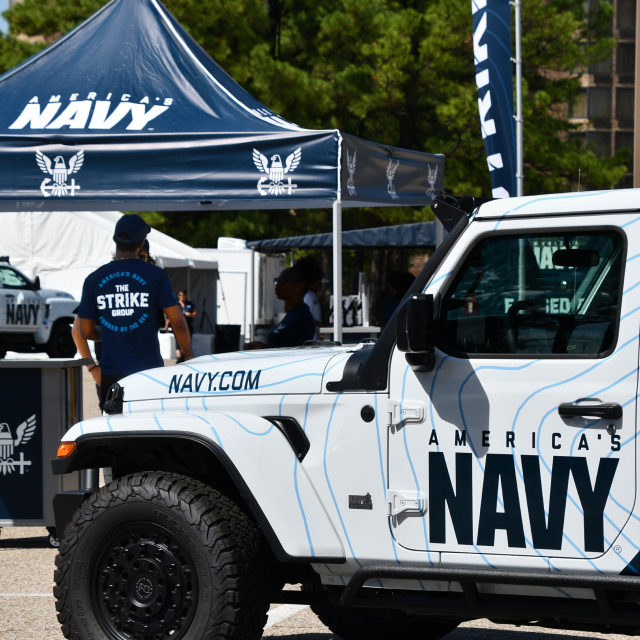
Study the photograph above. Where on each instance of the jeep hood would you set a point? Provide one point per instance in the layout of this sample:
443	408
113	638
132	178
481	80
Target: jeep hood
269	371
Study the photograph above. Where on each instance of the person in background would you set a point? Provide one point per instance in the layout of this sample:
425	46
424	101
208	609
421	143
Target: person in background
145	255
399	283
123	297
298	325
311	299
190	312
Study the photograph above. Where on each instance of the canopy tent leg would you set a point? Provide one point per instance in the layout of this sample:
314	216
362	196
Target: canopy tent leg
252	336
337	270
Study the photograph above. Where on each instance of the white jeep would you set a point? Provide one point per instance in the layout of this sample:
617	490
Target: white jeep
477	461
33	319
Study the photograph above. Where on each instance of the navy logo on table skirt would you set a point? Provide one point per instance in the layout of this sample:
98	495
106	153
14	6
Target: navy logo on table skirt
8	444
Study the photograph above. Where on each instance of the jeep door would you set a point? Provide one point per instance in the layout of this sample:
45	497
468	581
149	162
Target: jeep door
535	315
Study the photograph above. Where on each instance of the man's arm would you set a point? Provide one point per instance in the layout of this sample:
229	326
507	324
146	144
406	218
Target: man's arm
180	330
82	331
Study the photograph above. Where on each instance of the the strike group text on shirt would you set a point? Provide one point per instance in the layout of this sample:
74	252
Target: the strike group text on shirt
123	297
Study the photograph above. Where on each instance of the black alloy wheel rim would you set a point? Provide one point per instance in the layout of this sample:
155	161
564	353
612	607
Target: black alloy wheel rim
144	585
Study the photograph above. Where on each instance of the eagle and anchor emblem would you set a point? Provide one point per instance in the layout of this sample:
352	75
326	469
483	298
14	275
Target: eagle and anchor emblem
276	172
24	433
60	174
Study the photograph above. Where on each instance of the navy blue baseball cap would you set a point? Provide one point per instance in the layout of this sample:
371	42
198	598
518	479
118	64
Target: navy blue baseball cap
131	229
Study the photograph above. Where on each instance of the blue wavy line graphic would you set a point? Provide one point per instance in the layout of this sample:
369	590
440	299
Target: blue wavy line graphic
433	386
215	433
296	464
628	224
442	277
553	198
384	480
326	475
474	373
226	415
337	363
413	471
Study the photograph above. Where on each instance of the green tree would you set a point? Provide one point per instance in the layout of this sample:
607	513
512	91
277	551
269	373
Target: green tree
394	71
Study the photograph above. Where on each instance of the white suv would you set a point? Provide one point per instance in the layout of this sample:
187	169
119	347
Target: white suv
34	319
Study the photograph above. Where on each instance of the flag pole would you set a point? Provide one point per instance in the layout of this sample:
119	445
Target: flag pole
519	119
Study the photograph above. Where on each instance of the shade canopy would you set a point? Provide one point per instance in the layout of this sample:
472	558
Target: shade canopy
418	235
63	248
127	111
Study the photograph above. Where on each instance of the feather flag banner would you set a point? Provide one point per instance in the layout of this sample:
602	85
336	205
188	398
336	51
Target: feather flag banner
494	79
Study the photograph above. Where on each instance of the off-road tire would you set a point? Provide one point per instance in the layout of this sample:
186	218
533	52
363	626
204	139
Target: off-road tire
61	344
220	563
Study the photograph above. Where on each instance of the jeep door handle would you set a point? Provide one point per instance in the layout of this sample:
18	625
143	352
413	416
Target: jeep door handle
605	410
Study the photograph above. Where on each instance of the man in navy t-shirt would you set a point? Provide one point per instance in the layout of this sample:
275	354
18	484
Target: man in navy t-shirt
123	299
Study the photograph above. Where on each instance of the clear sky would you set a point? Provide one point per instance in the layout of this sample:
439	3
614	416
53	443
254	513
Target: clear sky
3	23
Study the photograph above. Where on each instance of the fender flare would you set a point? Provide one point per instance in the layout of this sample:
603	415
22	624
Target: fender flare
98	450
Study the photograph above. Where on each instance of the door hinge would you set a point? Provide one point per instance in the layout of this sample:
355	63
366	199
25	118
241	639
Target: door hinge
405	412
405	502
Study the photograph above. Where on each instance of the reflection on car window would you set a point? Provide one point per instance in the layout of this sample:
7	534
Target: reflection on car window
11	279
536	294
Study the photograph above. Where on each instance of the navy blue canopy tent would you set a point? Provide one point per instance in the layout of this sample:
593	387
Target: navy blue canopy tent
128	112
417	235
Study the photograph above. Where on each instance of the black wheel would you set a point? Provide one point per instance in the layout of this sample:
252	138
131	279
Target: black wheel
61	344
153	556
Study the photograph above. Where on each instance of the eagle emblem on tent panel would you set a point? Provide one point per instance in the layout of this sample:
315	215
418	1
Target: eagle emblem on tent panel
391	172
24	433
276	172
60	174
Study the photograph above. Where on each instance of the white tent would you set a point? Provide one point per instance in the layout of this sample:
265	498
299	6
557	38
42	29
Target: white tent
64	247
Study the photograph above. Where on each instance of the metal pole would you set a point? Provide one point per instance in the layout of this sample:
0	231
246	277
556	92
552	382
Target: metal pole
519	119
253	297
337	270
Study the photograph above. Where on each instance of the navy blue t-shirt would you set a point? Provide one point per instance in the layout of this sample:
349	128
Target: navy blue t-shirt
296	328
123	297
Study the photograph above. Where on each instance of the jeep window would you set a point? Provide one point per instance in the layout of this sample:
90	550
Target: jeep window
536	294
11	279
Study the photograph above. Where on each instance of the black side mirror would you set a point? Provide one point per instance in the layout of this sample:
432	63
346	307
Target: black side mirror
414	331
36	284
